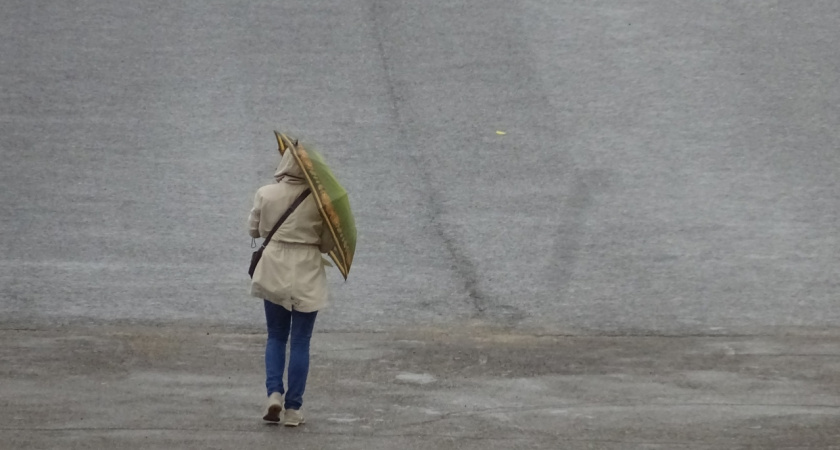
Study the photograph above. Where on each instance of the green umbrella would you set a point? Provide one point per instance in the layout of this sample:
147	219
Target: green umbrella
331	199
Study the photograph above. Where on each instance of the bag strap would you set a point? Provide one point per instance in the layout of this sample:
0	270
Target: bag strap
285	215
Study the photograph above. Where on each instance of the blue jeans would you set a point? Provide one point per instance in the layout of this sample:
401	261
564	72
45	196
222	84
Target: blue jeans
280	323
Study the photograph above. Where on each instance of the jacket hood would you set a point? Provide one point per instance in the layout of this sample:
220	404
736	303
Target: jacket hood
289	171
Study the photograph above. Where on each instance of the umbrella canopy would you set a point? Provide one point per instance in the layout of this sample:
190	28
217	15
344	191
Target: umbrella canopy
331	199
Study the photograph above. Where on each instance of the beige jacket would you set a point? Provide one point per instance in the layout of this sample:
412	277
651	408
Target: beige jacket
291	271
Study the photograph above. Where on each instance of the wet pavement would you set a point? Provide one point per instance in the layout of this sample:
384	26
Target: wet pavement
472	387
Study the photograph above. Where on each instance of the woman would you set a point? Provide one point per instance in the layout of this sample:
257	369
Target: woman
290	279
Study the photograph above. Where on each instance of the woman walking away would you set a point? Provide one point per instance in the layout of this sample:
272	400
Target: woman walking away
290	279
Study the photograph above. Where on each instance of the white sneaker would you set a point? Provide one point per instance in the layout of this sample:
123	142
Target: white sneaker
293	418
274	408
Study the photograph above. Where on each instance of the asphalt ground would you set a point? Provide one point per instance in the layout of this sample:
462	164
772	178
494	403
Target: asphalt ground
649	169
667	167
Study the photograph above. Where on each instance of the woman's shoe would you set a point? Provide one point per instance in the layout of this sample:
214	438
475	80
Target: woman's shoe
274	408
293	418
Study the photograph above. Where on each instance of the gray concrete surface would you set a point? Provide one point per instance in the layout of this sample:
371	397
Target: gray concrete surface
665	197
425	388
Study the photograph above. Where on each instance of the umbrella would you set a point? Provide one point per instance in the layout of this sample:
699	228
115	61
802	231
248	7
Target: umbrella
331	199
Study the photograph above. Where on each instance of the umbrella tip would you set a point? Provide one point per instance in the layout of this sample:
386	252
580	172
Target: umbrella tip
284	141
281	146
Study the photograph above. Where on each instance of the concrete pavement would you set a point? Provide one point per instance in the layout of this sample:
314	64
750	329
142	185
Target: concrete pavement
150	387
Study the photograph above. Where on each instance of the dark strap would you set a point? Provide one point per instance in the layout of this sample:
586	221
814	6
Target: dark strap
285	215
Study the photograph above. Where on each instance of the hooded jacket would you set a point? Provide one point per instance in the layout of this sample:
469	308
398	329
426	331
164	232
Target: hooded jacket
291	270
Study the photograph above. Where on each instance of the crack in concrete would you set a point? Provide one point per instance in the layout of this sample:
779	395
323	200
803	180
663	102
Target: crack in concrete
462	265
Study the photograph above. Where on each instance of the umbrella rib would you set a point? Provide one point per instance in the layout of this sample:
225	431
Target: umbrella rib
339	261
